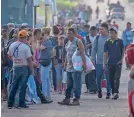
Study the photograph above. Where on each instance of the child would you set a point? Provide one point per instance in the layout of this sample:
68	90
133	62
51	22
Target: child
58	50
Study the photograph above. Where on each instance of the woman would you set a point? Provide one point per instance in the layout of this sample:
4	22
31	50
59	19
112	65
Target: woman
46	63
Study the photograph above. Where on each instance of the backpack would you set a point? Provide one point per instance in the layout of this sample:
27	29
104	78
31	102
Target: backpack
4	55
130	54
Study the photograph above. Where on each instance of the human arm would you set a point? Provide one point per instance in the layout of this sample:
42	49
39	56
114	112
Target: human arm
94	51
105	55
82	53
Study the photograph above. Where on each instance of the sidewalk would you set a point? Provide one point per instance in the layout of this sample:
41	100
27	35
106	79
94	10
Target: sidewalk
90	106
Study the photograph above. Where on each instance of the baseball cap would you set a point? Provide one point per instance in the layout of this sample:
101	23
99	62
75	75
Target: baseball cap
114	29
23	33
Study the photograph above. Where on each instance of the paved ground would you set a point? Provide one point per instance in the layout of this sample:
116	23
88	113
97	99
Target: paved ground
90	106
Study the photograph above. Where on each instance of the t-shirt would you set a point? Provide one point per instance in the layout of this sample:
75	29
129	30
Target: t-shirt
114	49
20	52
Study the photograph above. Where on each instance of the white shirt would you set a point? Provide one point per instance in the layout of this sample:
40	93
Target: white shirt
20	52
92	38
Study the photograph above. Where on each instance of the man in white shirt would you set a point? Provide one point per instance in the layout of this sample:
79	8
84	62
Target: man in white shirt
21	55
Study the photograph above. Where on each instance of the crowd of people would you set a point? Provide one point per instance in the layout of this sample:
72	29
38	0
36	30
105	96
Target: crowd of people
35	61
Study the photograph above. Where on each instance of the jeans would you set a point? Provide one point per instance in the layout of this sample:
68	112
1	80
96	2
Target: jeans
54	77
45	77
99	74
114	76
90	80
19	83
74	81
59	72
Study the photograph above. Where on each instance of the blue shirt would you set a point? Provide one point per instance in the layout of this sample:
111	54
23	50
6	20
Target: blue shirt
98	49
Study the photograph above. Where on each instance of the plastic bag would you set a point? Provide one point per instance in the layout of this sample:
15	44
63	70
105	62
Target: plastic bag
78	63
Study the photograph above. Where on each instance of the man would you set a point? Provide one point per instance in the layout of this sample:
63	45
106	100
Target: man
85	30
97	58
4	61
74	78
90	78
127	38
114	53
21	55
98	24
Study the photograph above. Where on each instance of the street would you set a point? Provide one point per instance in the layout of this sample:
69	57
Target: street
90	105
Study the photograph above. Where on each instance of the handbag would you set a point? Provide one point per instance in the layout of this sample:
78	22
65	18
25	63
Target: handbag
45	62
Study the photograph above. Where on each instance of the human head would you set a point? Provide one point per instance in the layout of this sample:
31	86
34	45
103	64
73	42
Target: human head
37	34
10	26
75	27
104	29
129	25
16	32
23	34
29	38
86	28
4	31
93	31
46	32
71	34
61	40
113	33
56	30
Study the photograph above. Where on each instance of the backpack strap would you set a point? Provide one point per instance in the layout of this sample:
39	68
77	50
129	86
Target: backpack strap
16	49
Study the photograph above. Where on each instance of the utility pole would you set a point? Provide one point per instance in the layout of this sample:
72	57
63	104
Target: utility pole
46	14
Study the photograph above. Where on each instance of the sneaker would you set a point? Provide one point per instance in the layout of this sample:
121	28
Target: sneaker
21	106
10	106
46	101
75	102
108	96
115	96
100	94
65	102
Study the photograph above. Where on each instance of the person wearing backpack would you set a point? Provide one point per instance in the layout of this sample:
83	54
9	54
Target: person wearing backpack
74	78
90	78
45	60
97	59
113	57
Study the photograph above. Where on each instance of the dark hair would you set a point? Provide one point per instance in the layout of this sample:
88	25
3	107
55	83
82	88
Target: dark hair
86	26
36	31
56	30
105	25
71	29
93	28
129	23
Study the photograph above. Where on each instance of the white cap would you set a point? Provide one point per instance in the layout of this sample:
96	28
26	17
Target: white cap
114	28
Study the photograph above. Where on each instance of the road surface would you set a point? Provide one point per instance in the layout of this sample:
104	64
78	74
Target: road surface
90	106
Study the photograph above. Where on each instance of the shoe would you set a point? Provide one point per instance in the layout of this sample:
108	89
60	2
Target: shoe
65	102
100	94
21	106
10	106
46	101
115	96
75	103
108	96
92	92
